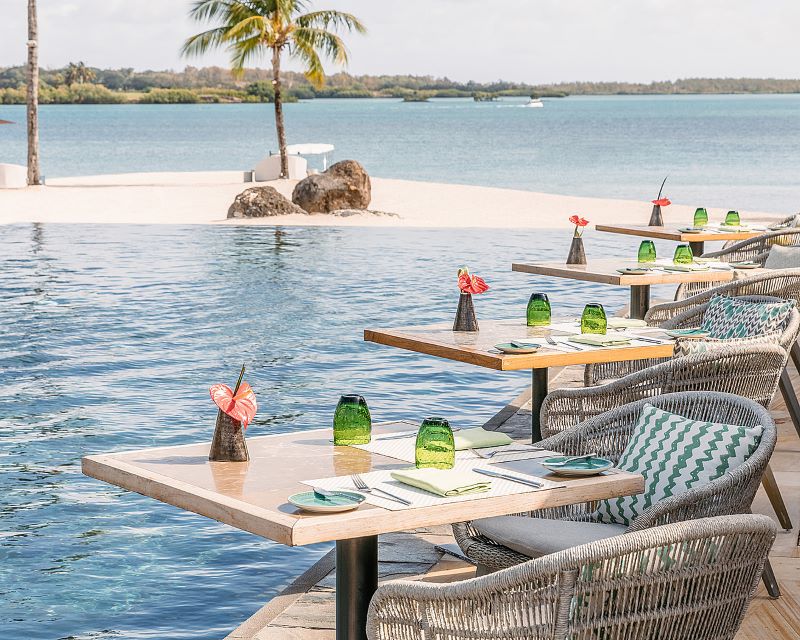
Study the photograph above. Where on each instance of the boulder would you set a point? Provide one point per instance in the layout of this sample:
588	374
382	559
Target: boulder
345	185
261	202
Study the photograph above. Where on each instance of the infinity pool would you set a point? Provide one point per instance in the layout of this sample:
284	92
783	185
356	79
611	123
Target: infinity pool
109	339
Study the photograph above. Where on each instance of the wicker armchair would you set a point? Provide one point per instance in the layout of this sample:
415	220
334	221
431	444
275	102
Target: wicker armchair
622	588
687	314
608	435
752	372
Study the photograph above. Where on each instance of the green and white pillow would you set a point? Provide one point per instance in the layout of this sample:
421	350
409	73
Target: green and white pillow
727	317
675	454
692	346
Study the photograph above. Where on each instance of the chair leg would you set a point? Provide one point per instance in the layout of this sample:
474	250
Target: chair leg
790	398
770	582
795	353
775	498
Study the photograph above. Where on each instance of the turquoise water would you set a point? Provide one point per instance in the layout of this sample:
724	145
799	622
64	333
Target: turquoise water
100	350
721	151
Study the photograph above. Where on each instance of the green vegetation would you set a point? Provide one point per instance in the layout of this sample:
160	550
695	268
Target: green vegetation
215	84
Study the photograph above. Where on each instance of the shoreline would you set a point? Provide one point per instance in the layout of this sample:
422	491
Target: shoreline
204	198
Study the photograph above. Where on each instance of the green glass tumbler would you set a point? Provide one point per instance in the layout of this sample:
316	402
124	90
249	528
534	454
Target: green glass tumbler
700	217
352	423
683	254
732	219
594	319
647	251
436	448
538	310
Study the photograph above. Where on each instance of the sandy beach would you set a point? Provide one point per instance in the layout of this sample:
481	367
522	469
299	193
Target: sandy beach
204	198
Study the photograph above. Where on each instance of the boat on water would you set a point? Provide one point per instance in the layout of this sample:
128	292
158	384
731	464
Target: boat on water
534	103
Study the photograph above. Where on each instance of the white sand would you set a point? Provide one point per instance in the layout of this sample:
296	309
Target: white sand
204	197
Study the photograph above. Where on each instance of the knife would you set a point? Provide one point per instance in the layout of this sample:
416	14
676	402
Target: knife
495	474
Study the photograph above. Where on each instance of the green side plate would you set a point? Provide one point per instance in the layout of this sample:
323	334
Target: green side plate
583	467
526	347
340	501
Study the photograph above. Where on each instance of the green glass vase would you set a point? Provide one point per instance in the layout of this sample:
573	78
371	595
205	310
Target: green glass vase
700	217
538	310
683	254
594	319
435	447
352	423
647	251
732	219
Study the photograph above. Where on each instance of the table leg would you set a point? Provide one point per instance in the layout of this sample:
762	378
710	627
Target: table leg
697	248
640	300
356	582
538	394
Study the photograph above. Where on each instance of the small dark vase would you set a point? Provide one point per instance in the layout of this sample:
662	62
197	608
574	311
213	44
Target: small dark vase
655	218
228	444
576	253
465	314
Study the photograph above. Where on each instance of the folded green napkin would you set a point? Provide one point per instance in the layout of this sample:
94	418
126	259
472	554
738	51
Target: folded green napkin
599	340
444	482
479	439
625	323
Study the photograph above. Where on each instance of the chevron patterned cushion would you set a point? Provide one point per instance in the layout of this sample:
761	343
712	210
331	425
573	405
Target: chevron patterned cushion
691	346
675	454
728	317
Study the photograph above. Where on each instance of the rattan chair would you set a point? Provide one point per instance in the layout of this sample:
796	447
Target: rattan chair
608	435
691	580
751	371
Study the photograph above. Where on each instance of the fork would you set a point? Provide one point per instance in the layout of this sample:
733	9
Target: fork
491	454
358	481
564	344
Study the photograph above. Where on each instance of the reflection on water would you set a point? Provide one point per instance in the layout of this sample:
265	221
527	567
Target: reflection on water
110	337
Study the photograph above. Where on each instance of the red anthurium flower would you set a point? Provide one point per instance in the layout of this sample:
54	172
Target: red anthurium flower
578	221
471	284
241	407
662	202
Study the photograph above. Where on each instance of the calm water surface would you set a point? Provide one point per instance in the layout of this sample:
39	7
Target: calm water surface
738	152
109	339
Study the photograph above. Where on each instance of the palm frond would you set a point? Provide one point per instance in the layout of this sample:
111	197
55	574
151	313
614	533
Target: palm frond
314	71
243	51
335	19
199	43
330	44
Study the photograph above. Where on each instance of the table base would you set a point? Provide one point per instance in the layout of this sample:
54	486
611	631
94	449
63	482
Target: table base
538	394
640	301
697	248
356	582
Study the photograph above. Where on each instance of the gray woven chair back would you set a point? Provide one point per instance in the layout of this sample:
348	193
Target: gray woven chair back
749	371
683	581
778	283
676	315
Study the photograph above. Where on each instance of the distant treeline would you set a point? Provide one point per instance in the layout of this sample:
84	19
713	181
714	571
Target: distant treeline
77	84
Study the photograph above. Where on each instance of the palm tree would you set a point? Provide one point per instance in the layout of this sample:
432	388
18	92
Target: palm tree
250	28
34	176
79	73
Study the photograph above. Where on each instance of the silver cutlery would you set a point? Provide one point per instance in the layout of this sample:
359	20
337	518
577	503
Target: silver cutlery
487	455
363	486
502	476
324	494
409	435
651	340
570	459
562	344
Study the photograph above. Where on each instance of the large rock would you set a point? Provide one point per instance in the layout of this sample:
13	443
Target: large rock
261	202
345	185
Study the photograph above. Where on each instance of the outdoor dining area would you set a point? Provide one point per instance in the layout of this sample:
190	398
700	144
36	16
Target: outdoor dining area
612	499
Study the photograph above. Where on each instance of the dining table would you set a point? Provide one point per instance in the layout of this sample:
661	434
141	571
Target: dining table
611	271
253	496
478	348
695	238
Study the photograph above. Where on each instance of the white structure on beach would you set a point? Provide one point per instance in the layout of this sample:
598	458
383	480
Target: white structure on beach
13	176
270	167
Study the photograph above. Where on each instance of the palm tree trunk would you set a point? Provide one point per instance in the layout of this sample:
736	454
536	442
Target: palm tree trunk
33	95
276	84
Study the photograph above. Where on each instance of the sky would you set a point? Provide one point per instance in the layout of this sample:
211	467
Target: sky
534	41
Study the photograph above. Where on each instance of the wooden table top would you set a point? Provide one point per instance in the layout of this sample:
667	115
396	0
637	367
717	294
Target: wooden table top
474	347
252	495
605	271
672	233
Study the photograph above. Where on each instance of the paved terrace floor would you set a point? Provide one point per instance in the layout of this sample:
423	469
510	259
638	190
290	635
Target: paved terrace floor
305	610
